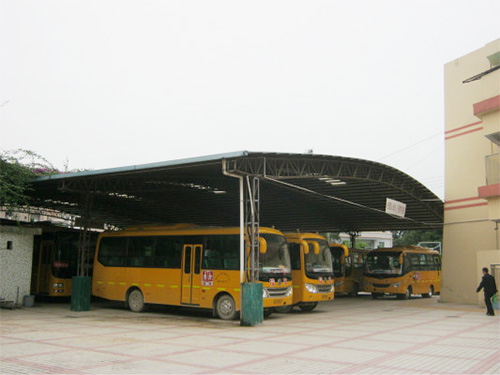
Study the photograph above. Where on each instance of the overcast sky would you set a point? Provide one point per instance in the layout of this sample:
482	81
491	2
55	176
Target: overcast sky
104	84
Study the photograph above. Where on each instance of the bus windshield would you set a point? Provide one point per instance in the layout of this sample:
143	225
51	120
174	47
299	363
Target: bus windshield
317	265
383	264
337	253
65	261
276	261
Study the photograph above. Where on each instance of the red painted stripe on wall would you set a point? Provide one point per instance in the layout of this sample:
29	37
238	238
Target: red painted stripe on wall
461	200
464	133
466	206
463	127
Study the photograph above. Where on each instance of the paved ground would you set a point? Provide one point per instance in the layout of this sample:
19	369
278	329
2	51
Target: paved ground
344	336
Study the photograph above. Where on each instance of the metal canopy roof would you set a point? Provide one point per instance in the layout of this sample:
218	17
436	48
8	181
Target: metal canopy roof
297	191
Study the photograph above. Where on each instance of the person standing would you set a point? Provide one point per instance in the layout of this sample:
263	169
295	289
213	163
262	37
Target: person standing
490	288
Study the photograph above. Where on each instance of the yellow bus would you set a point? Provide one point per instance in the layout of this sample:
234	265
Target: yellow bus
348	267
312	271
187	265
403	271
55	261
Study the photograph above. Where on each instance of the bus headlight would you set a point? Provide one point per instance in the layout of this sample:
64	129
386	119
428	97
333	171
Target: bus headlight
311	288
57	285
265	293
289	292
396	285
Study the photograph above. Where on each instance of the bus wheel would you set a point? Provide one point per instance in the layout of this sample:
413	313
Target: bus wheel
225	307
309	306
136	301
407	295
430	294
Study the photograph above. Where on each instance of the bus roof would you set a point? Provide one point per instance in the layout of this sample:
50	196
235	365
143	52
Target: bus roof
406	249
303	236
182	229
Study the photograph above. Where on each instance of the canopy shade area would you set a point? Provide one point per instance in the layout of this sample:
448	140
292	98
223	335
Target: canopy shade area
297	191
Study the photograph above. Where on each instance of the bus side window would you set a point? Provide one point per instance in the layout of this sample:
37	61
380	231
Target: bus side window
140	251
168	252
414	262
228	250
429	263
422	263
113	251
212	259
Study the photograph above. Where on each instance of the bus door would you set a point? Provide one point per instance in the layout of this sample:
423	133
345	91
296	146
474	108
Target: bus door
45	266
191	274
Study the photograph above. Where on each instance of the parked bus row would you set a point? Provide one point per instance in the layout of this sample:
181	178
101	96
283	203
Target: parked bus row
187	265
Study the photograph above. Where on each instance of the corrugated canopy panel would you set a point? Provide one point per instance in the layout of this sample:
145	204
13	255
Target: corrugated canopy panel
297	191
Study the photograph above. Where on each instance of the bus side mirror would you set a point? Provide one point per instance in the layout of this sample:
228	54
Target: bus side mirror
262	245
305	246
315	246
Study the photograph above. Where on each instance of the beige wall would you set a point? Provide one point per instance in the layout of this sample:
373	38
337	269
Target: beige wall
470	238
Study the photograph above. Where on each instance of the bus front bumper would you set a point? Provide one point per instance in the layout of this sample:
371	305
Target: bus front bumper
383	287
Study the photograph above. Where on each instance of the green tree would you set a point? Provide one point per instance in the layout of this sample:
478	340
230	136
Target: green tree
413	237
17	168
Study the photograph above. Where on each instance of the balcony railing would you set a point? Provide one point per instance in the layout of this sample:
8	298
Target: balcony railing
492	169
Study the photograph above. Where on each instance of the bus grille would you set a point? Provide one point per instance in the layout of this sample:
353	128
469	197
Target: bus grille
381	285
277	292
324	288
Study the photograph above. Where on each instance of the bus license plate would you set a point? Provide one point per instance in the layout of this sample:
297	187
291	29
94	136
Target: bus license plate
278	301
325	296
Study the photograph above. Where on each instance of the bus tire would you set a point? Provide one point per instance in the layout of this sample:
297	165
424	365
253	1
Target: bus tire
407	295
430	294
135	301
308	306
225	307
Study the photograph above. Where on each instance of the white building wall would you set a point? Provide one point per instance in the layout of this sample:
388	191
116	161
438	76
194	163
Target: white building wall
373	240
15	264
